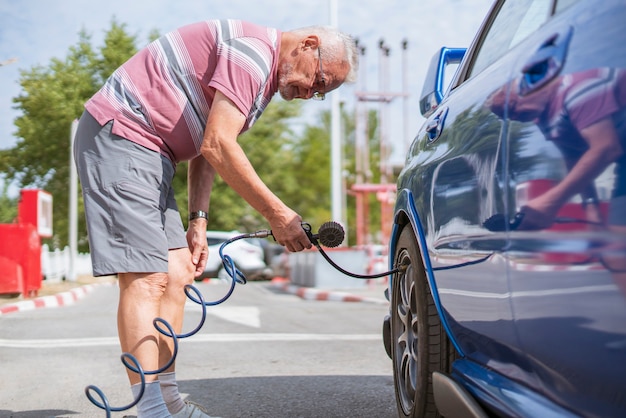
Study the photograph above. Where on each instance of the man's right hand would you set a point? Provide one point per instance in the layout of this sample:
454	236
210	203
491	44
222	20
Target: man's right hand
288	232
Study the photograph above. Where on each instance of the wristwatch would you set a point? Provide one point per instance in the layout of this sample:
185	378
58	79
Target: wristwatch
198	214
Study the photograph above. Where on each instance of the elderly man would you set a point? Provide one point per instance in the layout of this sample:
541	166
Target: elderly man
187	96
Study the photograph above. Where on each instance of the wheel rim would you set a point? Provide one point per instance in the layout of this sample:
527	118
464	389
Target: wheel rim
405	335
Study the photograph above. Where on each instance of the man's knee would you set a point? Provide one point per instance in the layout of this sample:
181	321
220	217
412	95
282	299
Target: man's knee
181	270
181	277
151	285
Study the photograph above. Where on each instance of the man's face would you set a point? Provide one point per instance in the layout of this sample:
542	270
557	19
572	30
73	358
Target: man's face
520	108
528	108
301	77
306	75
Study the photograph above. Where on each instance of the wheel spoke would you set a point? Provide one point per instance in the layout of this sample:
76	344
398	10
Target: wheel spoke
408	379
412	331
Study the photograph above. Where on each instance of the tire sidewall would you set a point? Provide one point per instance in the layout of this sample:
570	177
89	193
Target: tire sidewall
414	274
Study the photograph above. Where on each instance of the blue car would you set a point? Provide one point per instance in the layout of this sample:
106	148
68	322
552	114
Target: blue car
509	235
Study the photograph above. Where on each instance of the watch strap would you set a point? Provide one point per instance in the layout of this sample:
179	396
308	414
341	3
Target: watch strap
198	214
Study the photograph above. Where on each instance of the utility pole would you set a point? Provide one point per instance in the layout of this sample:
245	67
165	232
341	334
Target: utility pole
361	153
405	99
73	221
337	210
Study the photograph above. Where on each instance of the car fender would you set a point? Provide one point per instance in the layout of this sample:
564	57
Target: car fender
405	207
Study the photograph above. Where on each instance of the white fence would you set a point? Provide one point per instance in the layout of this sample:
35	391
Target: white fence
55	265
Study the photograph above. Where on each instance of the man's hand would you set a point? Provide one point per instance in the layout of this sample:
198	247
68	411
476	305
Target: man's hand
540	212
196	239
288	232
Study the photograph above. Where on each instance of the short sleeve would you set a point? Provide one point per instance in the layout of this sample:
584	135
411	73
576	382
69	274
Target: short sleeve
241	72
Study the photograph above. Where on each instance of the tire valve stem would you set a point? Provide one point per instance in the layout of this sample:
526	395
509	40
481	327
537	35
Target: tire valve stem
402	268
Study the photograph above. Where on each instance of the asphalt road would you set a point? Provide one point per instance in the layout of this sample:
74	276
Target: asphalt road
263	353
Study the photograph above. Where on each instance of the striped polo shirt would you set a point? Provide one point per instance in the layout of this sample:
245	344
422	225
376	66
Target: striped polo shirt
161	97
581	100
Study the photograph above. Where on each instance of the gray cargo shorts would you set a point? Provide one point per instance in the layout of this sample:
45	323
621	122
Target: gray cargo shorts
132	216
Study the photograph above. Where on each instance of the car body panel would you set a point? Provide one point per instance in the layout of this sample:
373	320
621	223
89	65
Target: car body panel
567	306
539	320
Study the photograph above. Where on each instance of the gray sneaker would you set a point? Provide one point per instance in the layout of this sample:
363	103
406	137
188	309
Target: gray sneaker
192	410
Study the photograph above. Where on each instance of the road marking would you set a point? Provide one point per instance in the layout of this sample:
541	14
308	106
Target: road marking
243	315
198	338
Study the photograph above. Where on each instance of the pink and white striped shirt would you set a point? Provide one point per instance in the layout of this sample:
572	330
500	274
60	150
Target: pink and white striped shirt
161	97
582	99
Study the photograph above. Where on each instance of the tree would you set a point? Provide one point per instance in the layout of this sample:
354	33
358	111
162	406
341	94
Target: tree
51	98
8	206
119	46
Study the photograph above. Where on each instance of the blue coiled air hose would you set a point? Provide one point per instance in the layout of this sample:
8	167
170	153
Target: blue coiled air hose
131	362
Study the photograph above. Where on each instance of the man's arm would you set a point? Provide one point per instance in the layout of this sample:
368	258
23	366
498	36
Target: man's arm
221	150
604	148
200	176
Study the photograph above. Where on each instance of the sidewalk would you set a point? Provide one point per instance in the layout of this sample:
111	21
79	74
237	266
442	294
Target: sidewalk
54	294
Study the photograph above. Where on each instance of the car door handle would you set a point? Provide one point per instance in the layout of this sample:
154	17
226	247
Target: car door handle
434	126
546	62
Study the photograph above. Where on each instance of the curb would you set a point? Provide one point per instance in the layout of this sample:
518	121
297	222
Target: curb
61	299
309	293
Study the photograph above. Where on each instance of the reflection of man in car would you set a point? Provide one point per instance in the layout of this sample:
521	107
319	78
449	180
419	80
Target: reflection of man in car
584	115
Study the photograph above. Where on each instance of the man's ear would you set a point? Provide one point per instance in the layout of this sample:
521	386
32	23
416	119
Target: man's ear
310	42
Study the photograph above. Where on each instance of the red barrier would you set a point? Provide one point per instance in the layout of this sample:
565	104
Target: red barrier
20	259
11	277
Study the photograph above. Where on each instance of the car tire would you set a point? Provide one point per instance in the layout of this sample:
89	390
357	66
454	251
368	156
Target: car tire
419	343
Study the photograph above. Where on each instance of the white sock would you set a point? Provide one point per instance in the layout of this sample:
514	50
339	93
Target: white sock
151	403
171	396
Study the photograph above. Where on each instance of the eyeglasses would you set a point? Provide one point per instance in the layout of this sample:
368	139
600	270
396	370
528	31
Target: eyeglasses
319	94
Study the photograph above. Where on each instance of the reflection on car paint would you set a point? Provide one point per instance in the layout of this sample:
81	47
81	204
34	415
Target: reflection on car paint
518	208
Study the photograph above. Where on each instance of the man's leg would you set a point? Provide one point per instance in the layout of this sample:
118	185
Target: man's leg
181	273
139	304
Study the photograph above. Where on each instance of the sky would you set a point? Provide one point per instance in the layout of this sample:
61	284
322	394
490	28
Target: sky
35	31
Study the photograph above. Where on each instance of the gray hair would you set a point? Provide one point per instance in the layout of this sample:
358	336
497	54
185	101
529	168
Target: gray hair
337	47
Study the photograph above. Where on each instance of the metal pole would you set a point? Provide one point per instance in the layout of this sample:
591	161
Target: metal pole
335	143
405	98
382	117
73	209
359	128
360	156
